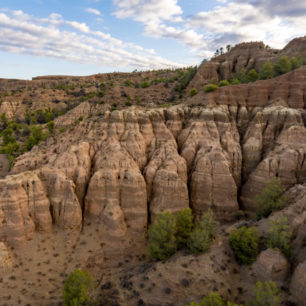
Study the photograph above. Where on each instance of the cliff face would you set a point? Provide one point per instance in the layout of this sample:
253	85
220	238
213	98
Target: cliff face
123	168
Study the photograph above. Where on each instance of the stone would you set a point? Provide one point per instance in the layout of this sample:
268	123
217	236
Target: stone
298	284
271	265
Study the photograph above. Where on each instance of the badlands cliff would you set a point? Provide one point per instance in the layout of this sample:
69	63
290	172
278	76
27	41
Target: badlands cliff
85	197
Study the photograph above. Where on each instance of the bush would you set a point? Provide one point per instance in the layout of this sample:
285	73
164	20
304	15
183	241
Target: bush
210	87
145	84
193	92
224	83
183	79
270	199
235	81
265	294
282	66
184	225
242	76
244	243
101	93
201	237
279	235
214	299
266	71
50	126
77	288
161	237
296	62
252	75
128	83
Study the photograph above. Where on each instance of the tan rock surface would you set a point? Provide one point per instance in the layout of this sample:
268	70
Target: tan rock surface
298	284
271	265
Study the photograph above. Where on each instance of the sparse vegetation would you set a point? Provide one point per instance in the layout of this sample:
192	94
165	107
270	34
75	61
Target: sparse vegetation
183	79
244	243
270	199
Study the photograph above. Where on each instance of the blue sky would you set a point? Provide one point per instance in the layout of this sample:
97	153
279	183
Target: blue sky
82	37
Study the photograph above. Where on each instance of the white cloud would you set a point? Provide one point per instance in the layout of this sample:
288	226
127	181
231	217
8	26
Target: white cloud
238	22
82	27
148	11
161	18
93	11
45	37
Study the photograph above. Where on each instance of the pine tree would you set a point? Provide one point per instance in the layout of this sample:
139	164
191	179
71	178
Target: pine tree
161	237
77	288
266	71
184	223
270	199
279	235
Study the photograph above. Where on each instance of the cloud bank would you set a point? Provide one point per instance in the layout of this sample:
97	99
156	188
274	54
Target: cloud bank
72	41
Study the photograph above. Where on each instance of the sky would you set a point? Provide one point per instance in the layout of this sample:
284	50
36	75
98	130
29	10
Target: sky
83	37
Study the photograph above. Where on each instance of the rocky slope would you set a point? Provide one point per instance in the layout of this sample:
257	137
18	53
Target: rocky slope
245	56
85	197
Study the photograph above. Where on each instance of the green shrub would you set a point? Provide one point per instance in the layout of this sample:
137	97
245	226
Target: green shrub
193	92
244	243
128	83
200	239
210	87
279	235
242	76
235	81
76	289
183	79
266	71
282	66
34	138
265	294
214	299
161	237
184	224
101	93
252	75
102	85
145	84
224	83
128	103
304	61
270	199
296	62
50	126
